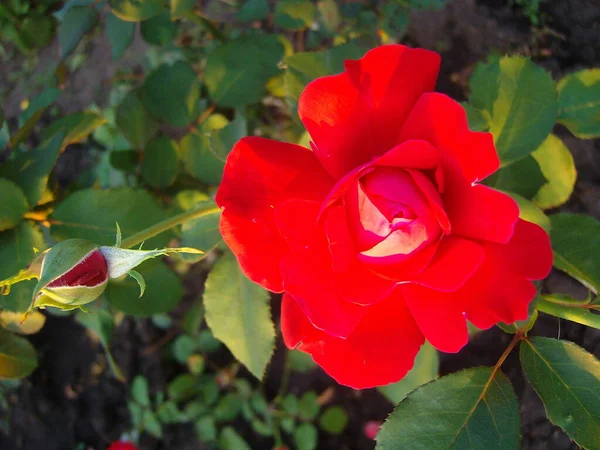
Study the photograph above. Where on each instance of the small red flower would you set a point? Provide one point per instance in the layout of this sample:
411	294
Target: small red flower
371	429
380	237
122	445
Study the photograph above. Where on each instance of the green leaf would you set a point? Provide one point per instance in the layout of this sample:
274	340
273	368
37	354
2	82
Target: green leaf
567	379
557	165
300	361
197	153
102	324
330	15
75	127
76	22
163	292
139	279
305	436
17	356
17	249
120	35
39	103
134	121
136	10
334	420
230	440
183	347
576	247
236	73
171	93
202	233
237	312
520	99
13	205
159	166
473	409
253	10
530	212
206	429
294	14
30	170
140	391
37	31
523	177
579	103
151	424
228	407
91	214
308	406
159	30
183	387
425	369
180	7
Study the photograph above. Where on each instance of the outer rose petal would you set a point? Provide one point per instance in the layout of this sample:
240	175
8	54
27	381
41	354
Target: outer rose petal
528	253
455	262
360	285
480	212
442	121
308	276
259	175
381	349
498	292
354	116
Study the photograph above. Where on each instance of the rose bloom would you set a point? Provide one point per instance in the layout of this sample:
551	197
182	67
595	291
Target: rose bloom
381	236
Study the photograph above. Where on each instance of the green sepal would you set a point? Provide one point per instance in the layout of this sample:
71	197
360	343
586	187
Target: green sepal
60	259
140	280
120	261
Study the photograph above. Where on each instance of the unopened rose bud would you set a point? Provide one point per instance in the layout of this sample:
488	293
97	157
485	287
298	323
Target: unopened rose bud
122	445
371	428
73	273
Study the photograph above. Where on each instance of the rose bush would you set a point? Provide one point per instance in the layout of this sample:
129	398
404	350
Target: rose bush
380	237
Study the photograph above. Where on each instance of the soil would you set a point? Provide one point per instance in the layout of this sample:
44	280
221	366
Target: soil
70	401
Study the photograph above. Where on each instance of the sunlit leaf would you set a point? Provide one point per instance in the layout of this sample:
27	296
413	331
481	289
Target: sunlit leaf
136	10
557	165
519	119
579	103
13	205
237	312
17	356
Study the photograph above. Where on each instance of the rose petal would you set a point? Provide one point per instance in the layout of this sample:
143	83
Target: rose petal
408	155
381	350
480	212
259	175
297	222
493	294
90	271
308	276
442	121
358	284
528	253
439	316
355	116
340	242
455	262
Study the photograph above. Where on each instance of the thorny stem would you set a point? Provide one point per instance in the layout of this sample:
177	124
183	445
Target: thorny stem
580	315
167	224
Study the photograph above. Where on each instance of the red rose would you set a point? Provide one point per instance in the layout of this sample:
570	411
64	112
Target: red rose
380	237
122	445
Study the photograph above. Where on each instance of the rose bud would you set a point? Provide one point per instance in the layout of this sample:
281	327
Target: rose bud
73	273
371	429
122	445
